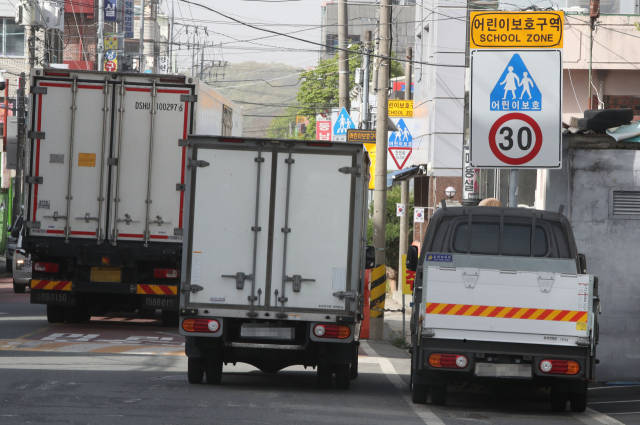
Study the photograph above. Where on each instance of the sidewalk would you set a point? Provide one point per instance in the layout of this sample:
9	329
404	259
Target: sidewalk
393	320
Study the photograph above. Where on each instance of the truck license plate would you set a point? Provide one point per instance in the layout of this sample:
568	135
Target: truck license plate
53	298
161	302
503	370
265	331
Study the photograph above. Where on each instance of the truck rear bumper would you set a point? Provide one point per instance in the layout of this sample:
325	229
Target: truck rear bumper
523	357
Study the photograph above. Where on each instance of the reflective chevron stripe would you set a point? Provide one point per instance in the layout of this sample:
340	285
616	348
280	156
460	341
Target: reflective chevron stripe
506	312
378	291
157	290
51	285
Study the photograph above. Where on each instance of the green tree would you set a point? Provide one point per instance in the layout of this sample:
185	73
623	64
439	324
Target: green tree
319	90
392	236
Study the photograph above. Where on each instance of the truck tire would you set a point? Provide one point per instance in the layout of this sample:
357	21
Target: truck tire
19	288
353	374
439	395
558	401
55	313
213	369
578	402
324	376
73	314
9	267
170	318
343	376
419	393
196	370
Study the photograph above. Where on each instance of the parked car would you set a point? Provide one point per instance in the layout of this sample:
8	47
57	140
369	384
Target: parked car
12	242
21	269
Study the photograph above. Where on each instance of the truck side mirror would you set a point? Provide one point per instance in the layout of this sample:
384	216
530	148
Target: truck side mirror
582	261
412	258
370	257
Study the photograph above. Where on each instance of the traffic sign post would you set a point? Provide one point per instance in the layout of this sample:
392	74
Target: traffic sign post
516	90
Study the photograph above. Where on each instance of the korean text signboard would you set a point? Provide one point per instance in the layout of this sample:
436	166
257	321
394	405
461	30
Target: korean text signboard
361	136
516	90
401	108
128	18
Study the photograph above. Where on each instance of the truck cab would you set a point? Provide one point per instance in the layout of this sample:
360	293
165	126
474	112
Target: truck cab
502	298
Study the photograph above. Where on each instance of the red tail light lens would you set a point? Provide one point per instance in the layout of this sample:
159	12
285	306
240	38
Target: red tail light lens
201	325
166	273
331	331
448	361
46	267
559	367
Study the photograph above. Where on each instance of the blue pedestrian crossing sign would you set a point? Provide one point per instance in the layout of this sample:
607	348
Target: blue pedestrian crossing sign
343	123
401	138
516	90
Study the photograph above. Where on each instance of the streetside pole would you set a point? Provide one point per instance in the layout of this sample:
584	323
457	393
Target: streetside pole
343	56
202	61
171	70
365	81
100	35
141	45
380	190
404	196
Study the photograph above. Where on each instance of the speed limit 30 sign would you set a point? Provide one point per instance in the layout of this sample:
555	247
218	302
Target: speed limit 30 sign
516	109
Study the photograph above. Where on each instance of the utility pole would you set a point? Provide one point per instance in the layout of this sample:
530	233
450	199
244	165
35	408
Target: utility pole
343	56
202	61
141	45
100	43
365	81
404	193
380	190
171	39
594	14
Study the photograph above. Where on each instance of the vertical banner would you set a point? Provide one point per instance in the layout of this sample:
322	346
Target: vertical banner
110	10
163	64
128	18
408	277
323	127
400	210
418	215
110	53
371	150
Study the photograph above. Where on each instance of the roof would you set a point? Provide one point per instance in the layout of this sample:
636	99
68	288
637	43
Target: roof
524	213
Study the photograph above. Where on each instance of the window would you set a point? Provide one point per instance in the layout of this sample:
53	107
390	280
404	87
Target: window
485	239
12	42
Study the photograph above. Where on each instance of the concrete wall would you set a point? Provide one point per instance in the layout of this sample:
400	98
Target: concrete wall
610	246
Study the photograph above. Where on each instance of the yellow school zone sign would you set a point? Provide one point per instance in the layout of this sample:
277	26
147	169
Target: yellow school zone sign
516	30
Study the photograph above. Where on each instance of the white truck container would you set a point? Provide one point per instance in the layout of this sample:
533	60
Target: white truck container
273	270
104	187
503	299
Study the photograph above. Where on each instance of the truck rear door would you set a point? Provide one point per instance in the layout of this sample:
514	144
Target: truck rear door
281	223
507	305
148	181
68	184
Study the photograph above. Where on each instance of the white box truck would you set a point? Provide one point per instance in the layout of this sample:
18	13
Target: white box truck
273	271
502	297
104	187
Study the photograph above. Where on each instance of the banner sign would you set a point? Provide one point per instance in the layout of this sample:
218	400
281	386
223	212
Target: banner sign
110	10
128	18
408	277
361	136
401	108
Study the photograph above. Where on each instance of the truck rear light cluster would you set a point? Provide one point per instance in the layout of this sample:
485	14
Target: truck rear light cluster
201	325
560	367
166	273
448	361
46	267
331	331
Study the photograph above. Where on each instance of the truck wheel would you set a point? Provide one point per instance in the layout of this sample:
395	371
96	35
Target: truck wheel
419	393
324	376
196	370
18	288
578	402
354	364
170	318
439	395
9	266
559	401
343	376
72	314
213	369
55	314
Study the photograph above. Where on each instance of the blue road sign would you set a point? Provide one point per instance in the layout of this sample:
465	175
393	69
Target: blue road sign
516	90
343	123
401	138
110	55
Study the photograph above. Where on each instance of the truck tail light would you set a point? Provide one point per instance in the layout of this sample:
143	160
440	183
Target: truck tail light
560	367
448	361
331	331
166	273
46	267
201	325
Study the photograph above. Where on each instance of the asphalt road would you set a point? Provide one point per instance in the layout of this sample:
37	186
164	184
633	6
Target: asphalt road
126	370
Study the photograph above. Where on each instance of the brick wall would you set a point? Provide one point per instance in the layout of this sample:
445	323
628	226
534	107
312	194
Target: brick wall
619	101
424	185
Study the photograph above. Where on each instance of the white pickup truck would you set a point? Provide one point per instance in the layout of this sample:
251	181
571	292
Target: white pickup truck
274	250
503	299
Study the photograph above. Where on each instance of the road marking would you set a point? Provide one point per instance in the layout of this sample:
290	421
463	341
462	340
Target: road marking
616	401
423	412
589	416
613	386
16	318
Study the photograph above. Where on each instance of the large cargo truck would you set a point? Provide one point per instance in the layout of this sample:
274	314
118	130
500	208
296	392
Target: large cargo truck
273	271
105	187
503	298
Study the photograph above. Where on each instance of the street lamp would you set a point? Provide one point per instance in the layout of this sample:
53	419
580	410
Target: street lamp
450	192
